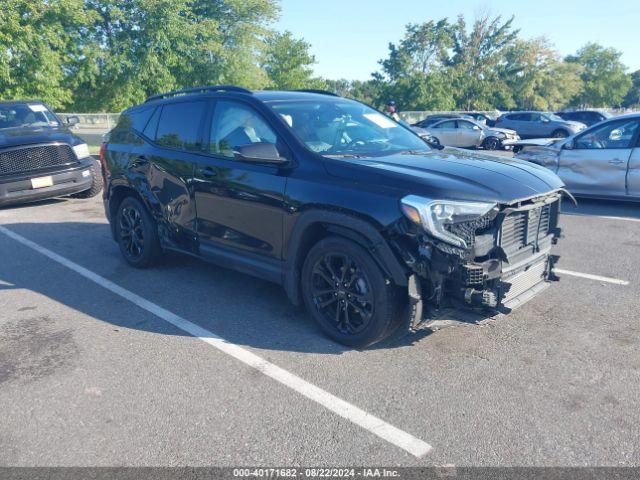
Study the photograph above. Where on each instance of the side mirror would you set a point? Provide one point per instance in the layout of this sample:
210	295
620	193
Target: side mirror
73	120
476	127
545	120
568	146
261	152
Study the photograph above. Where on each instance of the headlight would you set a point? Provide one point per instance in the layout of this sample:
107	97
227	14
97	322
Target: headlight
81	151
434	215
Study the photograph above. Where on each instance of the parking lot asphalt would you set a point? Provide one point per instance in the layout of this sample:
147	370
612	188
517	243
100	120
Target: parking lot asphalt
88	377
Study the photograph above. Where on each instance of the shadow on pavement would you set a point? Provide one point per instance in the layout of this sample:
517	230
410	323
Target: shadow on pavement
242	309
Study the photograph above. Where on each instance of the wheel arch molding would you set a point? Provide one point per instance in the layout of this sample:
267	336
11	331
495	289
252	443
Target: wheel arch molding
314	225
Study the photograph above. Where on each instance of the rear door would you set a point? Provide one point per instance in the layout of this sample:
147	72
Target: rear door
598	163
167	162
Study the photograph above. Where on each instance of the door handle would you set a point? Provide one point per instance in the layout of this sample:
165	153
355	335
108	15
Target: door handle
207	172
616	161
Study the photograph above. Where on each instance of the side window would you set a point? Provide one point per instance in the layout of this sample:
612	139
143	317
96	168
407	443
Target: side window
235	124
179	125
466	125
518	117
449	124
152	125
612	135
135	120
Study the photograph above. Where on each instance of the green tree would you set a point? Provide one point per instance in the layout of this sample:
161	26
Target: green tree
140	47
37	40
288	63
633	97
478	53
605	80
537	77
415	72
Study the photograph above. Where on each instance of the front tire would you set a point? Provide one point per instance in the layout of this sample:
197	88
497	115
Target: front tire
560	133
96	183
347	293
491	143
137	234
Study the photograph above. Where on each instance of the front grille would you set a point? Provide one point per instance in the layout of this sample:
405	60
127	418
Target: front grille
468	230
27	159
519	228
472	275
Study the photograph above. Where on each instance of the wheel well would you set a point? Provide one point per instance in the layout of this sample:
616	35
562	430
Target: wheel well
318	230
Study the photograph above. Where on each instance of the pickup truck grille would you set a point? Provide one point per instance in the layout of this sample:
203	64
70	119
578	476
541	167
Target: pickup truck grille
519	228
22	160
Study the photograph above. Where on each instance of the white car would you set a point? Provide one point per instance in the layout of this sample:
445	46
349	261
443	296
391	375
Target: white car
460	132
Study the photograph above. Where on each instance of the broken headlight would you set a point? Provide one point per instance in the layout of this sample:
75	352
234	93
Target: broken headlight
435	215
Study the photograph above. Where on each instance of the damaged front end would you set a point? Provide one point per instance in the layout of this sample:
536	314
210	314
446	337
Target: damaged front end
488	255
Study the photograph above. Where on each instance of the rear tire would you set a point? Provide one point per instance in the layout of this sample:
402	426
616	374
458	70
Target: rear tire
137	234
96	183
347	293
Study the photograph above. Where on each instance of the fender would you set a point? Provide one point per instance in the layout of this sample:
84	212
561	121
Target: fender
353	228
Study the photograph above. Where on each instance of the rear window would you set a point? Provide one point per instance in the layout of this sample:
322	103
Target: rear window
179	125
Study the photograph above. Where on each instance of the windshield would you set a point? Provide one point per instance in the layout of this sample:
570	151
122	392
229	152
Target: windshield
554	118
339	127
15	115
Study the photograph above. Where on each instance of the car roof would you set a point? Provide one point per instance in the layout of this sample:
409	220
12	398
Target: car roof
20	102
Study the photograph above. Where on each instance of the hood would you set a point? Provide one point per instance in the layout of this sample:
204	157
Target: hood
13	137
575	125
451	174
506	131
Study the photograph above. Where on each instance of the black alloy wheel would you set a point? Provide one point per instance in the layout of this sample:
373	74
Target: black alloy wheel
560	134
341	293
131	232
137	234
348	294
491	143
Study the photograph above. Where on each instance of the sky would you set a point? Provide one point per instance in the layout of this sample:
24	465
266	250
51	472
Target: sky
348	37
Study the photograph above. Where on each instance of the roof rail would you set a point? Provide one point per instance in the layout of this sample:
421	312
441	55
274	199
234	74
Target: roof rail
320	92
210	88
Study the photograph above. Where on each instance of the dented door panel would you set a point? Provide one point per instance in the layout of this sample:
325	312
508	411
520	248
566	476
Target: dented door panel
597	172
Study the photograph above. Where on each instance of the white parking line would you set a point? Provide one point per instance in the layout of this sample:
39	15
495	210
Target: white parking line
598	278
608	217
369	422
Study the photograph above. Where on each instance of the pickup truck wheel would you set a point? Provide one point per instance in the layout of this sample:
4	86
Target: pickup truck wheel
137	234
347	293
96	183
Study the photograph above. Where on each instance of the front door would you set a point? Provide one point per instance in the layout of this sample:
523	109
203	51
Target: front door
240	205
598	161
447	133
469	134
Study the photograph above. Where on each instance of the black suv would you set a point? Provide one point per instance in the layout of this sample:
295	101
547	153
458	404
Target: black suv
351	212
40	158
588	117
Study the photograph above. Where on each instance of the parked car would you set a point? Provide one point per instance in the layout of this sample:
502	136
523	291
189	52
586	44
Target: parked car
480	117
539	124
347	209
469	133
588	117
40	158
601	162
431	119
